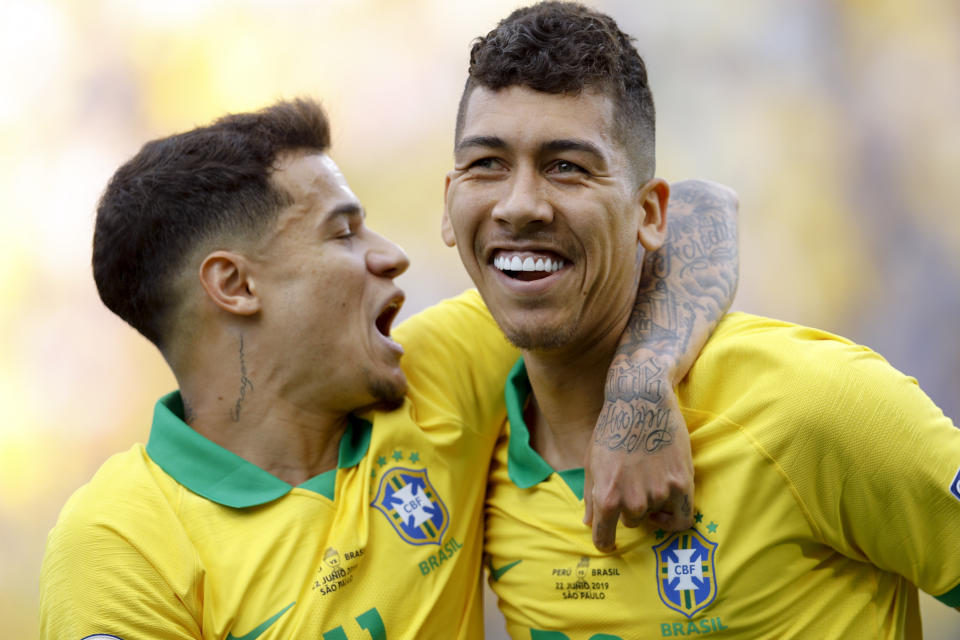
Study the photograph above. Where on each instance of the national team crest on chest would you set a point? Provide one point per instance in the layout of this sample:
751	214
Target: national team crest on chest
412	505
686	572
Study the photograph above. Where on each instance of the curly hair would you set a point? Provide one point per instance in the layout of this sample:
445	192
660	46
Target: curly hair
182	190
565	47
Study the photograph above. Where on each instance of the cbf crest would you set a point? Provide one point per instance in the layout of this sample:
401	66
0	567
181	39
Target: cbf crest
686	572
412	506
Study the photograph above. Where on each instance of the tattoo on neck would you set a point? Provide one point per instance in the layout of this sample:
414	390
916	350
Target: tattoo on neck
245	383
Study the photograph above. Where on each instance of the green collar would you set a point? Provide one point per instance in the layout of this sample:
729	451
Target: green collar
219	475
525	466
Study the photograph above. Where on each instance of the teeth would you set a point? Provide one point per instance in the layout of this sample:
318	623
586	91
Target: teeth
504	263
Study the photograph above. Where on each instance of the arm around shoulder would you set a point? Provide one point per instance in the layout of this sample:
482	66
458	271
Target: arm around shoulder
640	461
456	356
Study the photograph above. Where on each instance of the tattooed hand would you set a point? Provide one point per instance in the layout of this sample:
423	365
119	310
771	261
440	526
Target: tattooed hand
640	464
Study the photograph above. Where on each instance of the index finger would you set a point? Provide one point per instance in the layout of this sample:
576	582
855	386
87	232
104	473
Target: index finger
605	528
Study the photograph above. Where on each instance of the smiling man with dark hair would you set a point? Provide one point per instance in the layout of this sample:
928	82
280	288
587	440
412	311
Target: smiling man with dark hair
826	480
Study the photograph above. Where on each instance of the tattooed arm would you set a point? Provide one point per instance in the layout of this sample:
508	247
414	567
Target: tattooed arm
640	463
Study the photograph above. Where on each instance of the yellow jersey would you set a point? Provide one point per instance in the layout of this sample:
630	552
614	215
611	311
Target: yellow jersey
827	486
184	539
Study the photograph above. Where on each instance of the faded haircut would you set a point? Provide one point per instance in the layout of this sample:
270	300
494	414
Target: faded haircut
180	191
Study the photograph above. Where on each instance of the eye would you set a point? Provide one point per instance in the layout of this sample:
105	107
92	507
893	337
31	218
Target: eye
346	233
565	166
488	164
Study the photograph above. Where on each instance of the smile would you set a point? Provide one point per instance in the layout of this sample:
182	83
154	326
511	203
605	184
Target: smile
523	265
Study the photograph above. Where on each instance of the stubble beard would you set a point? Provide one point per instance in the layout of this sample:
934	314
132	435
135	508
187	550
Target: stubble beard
387	393
540	338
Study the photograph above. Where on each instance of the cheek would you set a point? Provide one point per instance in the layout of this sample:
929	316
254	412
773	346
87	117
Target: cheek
469	203
470	253
612	253
465	226
623	234
337	295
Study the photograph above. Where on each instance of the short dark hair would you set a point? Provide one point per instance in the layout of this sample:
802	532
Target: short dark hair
182	190
565	47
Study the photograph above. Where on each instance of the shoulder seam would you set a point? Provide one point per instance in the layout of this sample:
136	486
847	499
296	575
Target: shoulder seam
818	534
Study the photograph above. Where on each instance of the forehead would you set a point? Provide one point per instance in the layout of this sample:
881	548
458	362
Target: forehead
313	181
522	115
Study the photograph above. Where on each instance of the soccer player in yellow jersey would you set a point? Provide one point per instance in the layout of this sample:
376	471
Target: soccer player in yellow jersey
828	484
262	506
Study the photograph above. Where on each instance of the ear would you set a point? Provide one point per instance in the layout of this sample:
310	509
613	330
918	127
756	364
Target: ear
652	198
446	229
225	277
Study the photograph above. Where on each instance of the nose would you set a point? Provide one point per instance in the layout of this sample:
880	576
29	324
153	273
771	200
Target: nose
524	203
386	258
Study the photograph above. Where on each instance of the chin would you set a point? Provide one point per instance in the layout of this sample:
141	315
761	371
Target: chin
388	389
539	338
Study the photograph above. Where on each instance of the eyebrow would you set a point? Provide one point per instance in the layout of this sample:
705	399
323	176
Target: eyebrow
491	142
561	144
573	144
347	209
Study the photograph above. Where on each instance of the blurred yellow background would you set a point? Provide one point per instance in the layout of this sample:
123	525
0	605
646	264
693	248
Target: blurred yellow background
836	121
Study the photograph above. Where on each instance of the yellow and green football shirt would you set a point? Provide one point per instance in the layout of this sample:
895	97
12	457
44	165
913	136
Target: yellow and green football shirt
827	486
184	539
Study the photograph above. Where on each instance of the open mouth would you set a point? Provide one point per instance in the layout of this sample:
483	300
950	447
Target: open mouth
386	317
527	265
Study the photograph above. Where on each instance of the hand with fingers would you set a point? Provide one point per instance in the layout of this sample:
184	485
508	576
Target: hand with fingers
640	465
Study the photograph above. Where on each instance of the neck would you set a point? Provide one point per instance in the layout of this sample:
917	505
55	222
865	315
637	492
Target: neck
245	406
567	396
289	442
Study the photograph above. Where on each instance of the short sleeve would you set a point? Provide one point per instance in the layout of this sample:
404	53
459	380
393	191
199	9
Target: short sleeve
95	581
457	359
874	462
